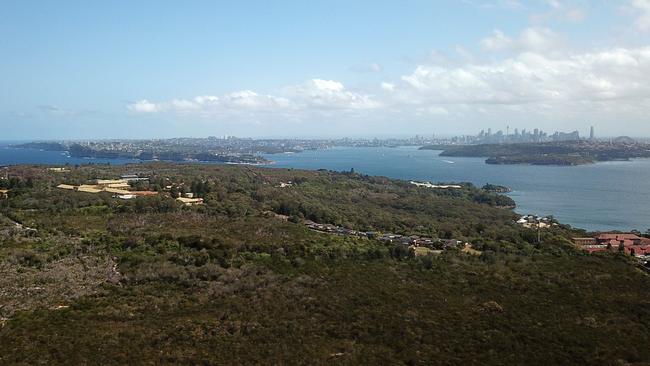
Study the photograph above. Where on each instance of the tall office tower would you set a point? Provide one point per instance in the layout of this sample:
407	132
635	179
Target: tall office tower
591	133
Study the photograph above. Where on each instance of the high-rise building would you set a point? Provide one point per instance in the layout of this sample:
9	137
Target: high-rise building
591	133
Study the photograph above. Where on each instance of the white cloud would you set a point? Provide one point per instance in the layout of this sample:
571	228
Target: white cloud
387	86
532	81
252	100
315	94
239	101
497	42
530	77
143	106
537	39
329	94
642	22
572	11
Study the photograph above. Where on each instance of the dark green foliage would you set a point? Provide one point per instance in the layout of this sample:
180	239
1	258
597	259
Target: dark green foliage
231	282
548	153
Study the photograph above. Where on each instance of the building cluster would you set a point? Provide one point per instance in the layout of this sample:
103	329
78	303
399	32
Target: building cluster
285	184
524	136
59	170
629	243
334	229
120	188
420	245
190	200
536	222
437	186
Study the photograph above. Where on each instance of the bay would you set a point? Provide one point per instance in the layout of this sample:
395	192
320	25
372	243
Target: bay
12	156
604	196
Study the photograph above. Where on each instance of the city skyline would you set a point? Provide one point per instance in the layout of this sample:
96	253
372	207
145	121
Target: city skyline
532	134
288	69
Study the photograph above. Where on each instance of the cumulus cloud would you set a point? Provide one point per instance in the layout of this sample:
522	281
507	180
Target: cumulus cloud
313	94
143	106
527	83
239	101
537	39
329	94
387	86
610	75
528	78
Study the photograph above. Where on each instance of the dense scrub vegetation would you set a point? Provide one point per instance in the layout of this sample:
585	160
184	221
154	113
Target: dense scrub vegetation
107	281
548	153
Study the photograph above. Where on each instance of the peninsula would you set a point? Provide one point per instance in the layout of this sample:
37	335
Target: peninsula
550	153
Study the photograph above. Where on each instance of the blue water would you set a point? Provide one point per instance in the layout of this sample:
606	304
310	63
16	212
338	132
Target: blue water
604	196
11	156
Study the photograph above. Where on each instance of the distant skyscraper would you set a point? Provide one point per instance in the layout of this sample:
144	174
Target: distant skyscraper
591	133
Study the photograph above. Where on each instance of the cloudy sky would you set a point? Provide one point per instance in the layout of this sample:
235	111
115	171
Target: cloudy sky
151	68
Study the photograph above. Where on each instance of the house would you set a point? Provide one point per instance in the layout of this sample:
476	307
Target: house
144	193
615	237
59	170
3	193
629	243
133	178
119	185
89	188
430	185
584	241
125	196
108	182
117	191
190	201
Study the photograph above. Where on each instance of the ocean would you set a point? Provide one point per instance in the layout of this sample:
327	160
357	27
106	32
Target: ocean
603	196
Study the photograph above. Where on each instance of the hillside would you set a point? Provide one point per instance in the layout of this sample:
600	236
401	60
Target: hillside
241	279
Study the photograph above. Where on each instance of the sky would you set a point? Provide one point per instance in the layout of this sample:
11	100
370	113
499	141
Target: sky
162	68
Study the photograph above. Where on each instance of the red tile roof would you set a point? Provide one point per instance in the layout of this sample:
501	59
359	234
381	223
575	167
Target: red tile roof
618	237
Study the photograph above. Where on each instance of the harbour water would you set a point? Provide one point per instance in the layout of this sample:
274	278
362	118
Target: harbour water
603	196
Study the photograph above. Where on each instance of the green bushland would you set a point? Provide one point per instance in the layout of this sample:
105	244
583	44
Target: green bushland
230	282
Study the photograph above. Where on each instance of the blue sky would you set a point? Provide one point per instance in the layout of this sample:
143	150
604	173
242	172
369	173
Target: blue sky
79	69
